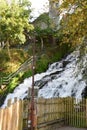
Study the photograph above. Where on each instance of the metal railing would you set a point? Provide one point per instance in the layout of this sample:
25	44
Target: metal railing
6	80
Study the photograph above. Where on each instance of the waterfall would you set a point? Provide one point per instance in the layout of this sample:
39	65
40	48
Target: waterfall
62	79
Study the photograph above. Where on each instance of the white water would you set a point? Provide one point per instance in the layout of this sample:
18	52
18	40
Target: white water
59	80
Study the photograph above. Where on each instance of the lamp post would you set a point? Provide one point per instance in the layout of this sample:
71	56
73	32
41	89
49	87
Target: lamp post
32	118
32	90
31	106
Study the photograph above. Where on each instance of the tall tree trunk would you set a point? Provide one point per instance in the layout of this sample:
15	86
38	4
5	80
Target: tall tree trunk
9	55
54	40
42	45
8	50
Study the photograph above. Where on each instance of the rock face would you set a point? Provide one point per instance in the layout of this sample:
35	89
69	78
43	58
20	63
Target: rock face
54	12
65	78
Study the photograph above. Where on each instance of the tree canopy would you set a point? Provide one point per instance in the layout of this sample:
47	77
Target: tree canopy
44	28
14	20
74	22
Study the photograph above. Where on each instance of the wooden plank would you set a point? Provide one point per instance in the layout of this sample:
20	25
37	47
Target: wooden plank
67	103
9	118
20	115
69	110
17	114
14	116
4	120
1	118
86	112
52	108
9	102
80	113
75	112
65	111
72	111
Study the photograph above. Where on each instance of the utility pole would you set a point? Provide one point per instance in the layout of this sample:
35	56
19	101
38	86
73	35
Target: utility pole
32	117
32	114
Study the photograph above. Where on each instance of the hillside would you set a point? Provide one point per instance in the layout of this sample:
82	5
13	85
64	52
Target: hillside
53	42
66	78
46	56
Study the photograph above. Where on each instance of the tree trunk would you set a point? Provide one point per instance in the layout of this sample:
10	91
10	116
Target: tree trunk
54	40
42	45
8	50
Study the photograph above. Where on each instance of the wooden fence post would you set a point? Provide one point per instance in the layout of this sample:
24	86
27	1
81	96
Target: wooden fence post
9	102
1	118
20	115
86	112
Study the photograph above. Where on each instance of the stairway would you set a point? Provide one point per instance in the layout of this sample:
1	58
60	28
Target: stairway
6	80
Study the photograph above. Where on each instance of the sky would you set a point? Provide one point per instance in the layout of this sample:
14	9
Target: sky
38	6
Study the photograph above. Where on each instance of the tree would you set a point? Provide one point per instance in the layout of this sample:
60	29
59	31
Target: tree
74	22
44	28
14	20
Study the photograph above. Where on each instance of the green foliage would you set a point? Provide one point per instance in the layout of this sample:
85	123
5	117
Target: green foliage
74	25
26	74
14	19
42	18
9	66
3	56
14	82
42	64
44	28
51	55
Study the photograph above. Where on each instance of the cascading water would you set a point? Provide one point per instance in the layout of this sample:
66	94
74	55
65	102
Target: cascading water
62	79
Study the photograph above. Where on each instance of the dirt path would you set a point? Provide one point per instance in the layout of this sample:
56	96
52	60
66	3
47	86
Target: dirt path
71	128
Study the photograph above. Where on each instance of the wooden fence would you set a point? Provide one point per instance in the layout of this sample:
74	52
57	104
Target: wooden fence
11	116
75	112
49	111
